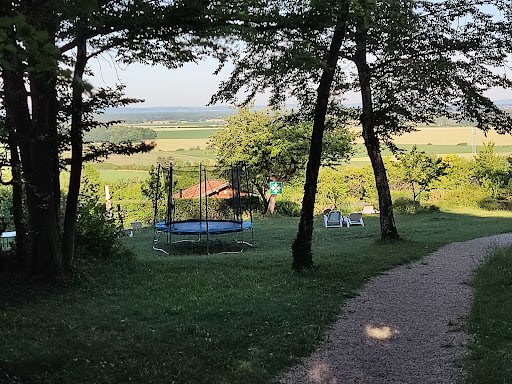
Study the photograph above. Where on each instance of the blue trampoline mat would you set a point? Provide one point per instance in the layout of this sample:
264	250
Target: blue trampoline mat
201	227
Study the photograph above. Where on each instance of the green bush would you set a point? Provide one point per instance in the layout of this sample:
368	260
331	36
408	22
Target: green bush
407	205
495	205
287	208
6	222
96	235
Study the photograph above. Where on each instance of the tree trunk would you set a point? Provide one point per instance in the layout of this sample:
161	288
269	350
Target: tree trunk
46	257
68	237
387	221
301	247
271	206
20	132
271	203
22	240
43	180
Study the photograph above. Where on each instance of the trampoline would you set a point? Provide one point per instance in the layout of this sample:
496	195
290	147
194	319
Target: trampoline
206	222
203	227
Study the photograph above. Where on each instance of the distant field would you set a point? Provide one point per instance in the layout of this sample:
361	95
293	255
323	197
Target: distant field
182	129
185	134
449	136
182	124
151	158
180	141
175	144
437	149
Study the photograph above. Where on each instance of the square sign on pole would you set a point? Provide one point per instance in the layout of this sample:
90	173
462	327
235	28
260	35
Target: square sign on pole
276	188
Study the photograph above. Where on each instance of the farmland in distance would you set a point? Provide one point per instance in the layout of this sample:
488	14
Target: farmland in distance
188	141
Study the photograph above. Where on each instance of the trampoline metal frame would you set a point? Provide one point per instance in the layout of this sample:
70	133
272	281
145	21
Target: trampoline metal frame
171	207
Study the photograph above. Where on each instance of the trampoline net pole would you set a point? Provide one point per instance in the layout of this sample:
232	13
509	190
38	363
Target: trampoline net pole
206	213
155	217
249	196
200	191
170	205
236	198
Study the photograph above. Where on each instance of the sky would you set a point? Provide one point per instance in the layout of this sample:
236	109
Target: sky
189	86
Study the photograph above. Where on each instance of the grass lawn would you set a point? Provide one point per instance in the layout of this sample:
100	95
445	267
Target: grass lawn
151	158
112	175
238	318
490	322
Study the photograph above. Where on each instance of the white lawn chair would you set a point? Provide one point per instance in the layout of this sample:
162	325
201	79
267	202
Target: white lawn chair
355	218
333	219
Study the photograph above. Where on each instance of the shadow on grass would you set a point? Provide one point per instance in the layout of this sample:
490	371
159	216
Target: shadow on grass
235	318
40	370
17	289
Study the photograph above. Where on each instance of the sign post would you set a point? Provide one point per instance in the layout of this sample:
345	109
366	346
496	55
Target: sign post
276	187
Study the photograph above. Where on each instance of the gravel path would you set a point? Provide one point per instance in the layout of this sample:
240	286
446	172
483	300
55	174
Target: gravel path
406	326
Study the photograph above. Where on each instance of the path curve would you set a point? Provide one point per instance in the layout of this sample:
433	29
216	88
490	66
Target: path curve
405	326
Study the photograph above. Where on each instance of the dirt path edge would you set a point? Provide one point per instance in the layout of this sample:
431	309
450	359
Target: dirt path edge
405	326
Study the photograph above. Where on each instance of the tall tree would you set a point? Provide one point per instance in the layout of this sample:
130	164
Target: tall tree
38	40
420	170
410	61
275	145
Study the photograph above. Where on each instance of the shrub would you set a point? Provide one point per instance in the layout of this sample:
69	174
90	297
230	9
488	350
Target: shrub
96	235
6	222
407	205
287	208
494	205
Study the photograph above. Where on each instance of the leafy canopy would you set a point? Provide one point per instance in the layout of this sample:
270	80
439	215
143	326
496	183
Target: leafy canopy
420	170
275	145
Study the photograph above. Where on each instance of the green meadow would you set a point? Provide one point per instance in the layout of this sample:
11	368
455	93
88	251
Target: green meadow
184	134
194	318
182	140
239	318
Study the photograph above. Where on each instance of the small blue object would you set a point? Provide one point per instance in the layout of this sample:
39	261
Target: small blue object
202	227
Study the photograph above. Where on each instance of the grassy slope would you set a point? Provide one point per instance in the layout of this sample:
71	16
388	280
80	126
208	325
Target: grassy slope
177	142
491	322
211	319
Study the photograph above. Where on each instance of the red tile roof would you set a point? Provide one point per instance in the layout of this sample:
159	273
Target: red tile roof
212	186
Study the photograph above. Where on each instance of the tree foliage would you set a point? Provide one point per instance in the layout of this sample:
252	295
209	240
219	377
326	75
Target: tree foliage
493	171
118	134
275	145
44	50
420	170
410	60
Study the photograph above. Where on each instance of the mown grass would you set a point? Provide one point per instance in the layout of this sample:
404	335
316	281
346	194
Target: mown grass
490	322
146	160
111	175
210	319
